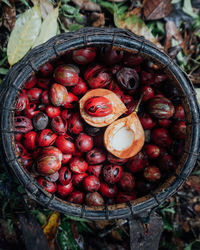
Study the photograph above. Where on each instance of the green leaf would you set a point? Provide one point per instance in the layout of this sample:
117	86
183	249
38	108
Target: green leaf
187	8
3	71
75	27
7	2
22	37
48	28
196	172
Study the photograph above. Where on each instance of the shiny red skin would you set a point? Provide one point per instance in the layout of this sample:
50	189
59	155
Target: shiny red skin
152	173
131	107
95	156
160	78
123	197
80	88
75	124
127	182
18	136
138	163
52	111
95	170
51	150
94	199
112	173
22	124
161	137
152	151
66	144
34	94
64	190
84	56
65	76
72	101
111	56
115	160
147	77
41	107
46	69
46	138
43	83
76	197
47	185
147	121
165	123
66	158
78	165
45	97
36	153
30	110
30	83
64	176
48	164
91	183
58	94
108	191
178	130
22	102
179	113
78	178
113	86
21	150
29	140
167	163
26	160
98	140
147	92
59	125
131	60
64	114
127	99
84	142
98	106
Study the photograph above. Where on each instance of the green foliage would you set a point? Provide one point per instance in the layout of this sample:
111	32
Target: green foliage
167	213
193	245
187	8
75	27
157	28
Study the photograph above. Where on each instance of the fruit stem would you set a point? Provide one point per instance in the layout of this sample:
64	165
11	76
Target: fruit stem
138	104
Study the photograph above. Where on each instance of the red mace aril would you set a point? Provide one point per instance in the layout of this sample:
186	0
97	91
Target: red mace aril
80	88
84	142
179	113
64	114
30	110
147	92
34	94
21	150
78	165
115	160
29	140
108	191
91	183
26	160
64	190
161	137
178	130
43	83
113	86
95	156
76	197
65	76
128	78
137	163
46	69
22	124
109	56
167	163
30	83
161	108
78	178
36	153
97	76
46	138
112	173
40	121
18	136
53	177
95	170
66	158
45	97
165	123
64	176
152	173
98	106
58	94
51	150
66	144
71	102
123	197
59	125
147	78
22	102
152	151
94	199
52	111
48	164
131	60
147	121
84	56
127	182
47	185
75	124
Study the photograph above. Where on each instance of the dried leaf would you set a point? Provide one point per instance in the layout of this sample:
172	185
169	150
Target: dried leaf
51	227
87	5
9	16
48	28
194	182
22	37
46	8
136	25
99	19
157	9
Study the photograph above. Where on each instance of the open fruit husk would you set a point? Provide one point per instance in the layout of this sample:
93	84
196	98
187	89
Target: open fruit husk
118	108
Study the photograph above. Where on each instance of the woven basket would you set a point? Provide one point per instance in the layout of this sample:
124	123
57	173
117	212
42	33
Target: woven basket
14	82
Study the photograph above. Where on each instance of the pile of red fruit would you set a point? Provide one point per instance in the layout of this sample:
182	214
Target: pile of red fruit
67	156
